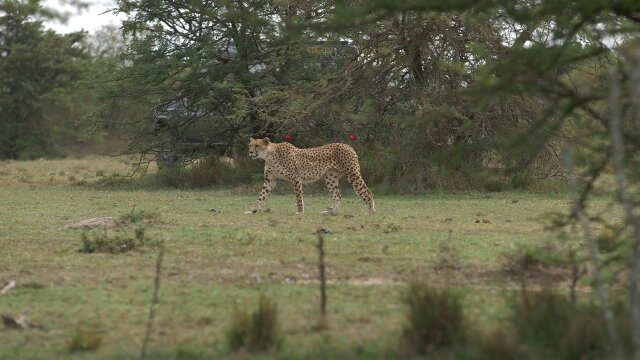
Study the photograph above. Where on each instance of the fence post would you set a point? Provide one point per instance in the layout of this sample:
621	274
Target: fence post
323	280
154	304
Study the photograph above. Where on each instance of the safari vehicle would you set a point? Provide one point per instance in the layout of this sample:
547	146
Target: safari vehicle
183	132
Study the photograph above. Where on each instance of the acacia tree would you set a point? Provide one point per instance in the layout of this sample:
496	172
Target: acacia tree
216	60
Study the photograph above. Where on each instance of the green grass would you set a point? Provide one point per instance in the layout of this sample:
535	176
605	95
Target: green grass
218	260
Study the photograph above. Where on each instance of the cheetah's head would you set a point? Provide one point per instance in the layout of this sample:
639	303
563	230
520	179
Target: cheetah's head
258	148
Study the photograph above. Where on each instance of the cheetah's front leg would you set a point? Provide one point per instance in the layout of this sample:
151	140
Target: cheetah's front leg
297	187
269	184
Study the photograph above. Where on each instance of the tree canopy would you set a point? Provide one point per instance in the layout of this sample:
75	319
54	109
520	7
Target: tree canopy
38	67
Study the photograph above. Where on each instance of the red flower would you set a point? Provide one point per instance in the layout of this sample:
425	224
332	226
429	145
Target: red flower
288	137
352	136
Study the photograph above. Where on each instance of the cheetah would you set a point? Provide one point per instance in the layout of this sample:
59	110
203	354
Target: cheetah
287	162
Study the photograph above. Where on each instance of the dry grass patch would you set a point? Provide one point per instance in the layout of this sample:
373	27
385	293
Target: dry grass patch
64	172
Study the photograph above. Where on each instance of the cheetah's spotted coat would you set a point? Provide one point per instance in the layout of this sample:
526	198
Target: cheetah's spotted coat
287	162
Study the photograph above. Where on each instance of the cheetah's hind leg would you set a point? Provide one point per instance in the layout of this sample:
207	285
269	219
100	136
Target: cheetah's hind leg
332	180
362	190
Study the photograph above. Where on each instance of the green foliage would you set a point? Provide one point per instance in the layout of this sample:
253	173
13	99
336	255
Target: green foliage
258	331
435	319
113	242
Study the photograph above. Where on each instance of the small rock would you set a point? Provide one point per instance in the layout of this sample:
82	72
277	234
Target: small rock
448	220
214	210
508	221
323	230
107	222
485	221
19	322
10	285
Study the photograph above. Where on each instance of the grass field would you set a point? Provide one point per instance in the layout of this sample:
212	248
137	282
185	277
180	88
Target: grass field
218	258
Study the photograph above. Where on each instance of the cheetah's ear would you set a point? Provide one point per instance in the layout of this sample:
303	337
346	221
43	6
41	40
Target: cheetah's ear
251	139
266	141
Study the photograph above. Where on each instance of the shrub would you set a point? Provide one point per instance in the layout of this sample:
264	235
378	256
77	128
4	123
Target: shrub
498	344
435	319
549	322
84	340
522	180
545	261
609	240
112	242
136	216
255	332
208	171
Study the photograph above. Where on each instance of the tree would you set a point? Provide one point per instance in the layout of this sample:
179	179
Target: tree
219	60
256	67
37	71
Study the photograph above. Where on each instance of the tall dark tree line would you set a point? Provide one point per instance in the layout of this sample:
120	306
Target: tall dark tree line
38	69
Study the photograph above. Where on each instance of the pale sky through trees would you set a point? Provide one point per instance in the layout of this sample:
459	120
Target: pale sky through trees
90	19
